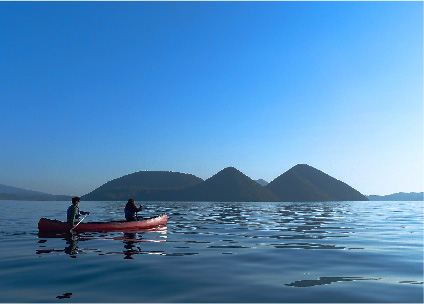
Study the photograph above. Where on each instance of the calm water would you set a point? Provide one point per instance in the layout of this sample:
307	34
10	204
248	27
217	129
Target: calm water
218	252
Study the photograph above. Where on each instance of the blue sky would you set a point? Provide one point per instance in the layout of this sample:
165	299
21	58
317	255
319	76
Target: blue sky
91	91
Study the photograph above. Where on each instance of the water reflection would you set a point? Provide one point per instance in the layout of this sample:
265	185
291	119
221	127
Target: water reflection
412	282
71	241
231	228
71	249
129	245
302	226
226	252
131	242
65	296
307	246
327	281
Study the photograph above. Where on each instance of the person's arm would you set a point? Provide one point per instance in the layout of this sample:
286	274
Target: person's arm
134	209
75	214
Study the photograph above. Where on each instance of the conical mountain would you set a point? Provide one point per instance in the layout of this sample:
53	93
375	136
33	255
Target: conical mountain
262	182
143	185
228	185
303	183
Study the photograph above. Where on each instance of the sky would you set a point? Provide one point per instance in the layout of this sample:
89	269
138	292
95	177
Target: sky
91	91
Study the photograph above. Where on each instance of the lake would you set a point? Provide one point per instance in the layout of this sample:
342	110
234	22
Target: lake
340	252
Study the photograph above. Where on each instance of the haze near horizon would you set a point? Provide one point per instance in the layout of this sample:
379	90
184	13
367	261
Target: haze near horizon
91	91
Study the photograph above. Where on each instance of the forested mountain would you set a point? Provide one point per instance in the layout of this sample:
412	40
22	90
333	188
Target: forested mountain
143	185
228	185
14	193
401	196
303	183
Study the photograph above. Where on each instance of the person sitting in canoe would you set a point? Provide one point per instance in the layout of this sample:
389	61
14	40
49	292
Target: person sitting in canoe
73	213
131	211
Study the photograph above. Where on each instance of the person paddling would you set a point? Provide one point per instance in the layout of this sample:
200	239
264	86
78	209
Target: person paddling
73	213
131	210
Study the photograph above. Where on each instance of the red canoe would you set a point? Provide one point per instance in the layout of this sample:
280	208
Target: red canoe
47	225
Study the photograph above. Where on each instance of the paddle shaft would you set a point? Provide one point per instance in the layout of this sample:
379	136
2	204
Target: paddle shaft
79	222
136	213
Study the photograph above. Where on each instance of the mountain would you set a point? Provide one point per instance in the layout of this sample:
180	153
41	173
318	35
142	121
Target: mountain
303	183
262	182
401	196
143	185
228	185
14	193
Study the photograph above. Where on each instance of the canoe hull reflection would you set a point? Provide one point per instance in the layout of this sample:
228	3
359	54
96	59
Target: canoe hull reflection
47	225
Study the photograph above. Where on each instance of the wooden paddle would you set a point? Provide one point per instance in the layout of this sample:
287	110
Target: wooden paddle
78	223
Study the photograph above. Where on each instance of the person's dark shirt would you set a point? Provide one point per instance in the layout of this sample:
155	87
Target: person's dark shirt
130	213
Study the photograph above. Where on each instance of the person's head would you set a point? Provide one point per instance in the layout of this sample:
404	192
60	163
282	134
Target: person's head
130	203
75	200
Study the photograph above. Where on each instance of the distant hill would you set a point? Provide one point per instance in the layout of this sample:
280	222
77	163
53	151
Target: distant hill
303	183
19	194
262	182
228	185
143	185
401	196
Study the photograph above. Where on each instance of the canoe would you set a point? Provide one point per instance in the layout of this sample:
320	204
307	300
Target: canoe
47	225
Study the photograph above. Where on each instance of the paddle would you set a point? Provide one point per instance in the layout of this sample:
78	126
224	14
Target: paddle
78	223
136	213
